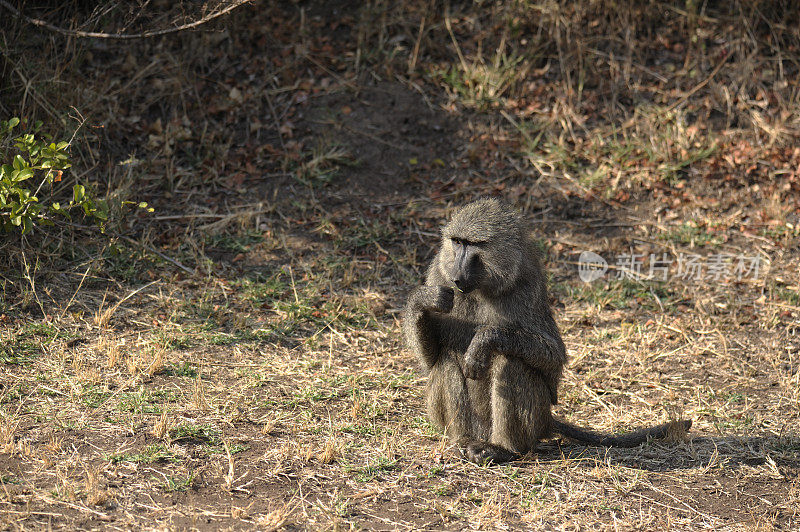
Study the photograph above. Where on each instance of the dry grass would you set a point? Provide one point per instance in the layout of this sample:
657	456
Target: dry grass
300	160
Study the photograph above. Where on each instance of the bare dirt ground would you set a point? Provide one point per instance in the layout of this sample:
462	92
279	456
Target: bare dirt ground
233	360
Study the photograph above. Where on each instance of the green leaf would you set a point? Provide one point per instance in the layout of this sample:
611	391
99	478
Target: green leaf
22	175
56	208
78	193
13	122
19	162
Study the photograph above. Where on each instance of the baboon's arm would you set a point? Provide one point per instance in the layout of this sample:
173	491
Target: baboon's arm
420	327
539	350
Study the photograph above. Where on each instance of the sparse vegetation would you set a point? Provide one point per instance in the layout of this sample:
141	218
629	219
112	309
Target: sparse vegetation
233	359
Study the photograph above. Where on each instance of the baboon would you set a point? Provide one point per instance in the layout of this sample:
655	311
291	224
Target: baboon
481	325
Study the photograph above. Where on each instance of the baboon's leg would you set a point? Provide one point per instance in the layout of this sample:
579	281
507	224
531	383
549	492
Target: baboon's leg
449	405
520	406
520	402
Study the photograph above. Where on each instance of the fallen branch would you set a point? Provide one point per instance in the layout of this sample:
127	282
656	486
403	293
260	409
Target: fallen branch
129	240
121	36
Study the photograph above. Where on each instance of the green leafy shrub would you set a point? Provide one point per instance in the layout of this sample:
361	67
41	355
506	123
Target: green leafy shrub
32	168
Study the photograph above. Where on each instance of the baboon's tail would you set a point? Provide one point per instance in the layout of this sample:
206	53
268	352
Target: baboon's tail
673	429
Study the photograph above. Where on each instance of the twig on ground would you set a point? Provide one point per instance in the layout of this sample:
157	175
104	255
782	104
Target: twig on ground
132	241
121	36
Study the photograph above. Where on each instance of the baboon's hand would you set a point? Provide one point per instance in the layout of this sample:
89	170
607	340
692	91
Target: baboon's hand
476	361
444	299
435	298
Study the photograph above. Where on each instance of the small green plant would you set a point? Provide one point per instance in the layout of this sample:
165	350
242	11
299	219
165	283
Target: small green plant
173	484
196	434
322	164
22	346
482	83
150	454
32	157
373	470
691	233
29	156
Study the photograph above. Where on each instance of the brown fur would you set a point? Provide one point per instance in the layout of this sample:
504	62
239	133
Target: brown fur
493	351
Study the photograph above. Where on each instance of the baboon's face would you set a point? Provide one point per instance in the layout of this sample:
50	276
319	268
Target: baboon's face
462	264
482	248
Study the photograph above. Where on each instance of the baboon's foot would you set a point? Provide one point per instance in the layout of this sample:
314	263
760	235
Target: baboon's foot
460	445
481	452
